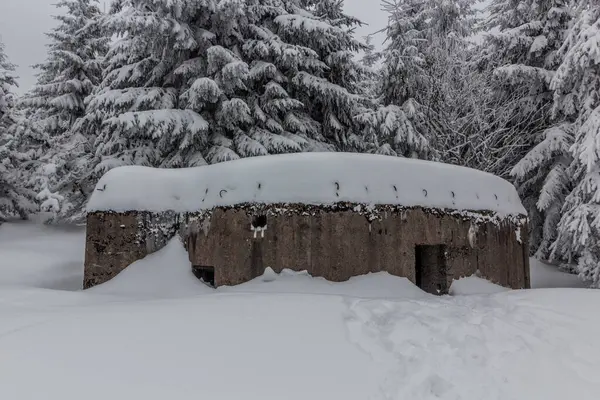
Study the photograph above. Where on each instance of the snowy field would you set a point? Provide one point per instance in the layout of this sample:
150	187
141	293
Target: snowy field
157	333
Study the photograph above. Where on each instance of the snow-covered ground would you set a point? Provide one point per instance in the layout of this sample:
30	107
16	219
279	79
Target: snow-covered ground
549	276
155	332
35	255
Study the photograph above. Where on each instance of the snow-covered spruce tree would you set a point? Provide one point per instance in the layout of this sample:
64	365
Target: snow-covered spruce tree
72	70
544	182
7	82
421	63
370	56
329	82
577	88
191	82
520	52
15	201
445	95
392	123
523	56
370	84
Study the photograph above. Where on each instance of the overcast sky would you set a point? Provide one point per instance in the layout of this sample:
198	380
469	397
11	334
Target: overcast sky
24	22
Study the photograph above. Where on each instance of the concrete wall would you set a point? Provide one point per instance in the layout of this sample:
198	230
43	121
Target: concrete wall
332	244
115	240
342	244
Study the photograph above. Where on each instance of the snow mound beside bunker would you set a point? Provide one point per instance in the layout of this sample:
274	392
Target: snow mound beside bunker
306	178
164	274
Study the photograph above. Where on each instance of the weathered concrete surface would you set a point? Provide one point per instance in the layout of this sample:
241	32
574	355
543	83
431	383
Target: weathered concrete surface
115	240
333	244
339	245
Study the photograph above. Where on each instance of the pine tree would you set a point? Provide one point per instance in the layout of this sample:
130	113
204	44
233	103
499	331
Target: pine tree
331	93
420	67
46	139
191	82
576	85
7	82
370	85
544	182
15	201
523	55
445	93
370	56
521	51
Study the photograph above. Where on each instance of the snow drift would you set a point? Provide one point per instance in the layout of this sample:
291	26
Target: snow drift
308	178
166	273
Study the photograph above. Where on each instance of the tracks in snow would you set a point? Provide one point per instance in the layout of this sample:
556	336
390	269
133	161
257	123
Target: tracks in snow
467	348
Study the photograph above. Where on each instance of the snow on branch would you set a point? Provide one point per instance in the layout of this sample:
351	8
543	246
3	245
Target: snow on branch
518	73
201	92
134	99
275	143
156	123
557	141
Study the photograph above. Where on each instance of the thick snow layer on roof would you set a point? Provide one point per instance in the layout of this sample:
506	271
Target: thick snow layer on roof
306	178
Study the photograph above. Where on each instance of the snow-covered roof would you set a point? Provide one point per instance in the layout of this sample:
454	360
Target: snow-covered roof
305	178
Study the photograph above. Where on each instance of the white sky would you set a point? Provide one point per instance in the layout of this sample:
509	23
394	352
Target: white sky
24	22
22	27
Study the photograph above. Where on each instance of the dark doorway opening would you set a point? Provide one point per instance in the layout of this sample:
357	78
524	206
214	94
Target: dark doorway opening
431	270
205	274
